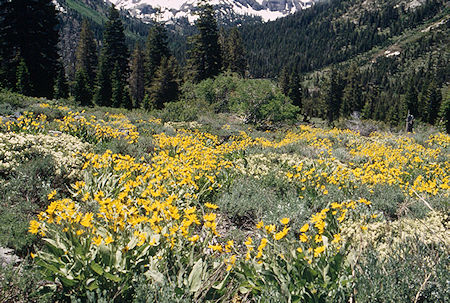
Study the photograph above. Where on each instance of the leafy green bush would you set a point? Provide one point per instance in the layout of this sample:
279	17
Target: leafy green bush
260	101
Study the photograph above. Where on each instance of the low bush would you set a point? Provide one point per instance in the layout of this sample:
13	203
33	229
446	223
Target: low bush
412	271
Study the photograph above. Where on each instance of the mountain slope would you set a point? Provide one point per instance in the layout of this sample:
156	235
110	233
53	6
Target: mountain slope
175	9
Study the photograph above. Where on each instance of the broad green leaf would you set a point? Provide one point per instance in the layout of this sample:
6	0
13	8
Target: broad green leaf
97	268
195	277
111	277
91	284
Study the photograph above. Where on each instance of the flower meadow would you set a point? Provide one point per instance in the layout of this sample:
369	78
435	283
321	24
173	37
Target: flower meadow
167	215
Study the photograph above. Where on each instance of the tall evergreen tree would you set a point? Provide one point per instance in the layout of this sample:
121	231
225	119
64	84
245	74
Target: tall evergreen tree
284	81
333	96
61	85
86	53
352	94
137	77
82	89
165	87
434	99
411	99
234	55
120	96
155	49
205	59
28	29
295	92
114	53
23	83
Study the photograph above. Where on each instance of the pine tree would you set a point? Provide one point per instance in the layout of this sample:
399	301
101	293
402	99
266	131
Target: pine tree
137	77
352	94
61	85
434	99
28	29
205	59
23	84
119	94
284	81
86	53
295	90
156	48
411	99
333	96
82	90
165	87
114	53
235	54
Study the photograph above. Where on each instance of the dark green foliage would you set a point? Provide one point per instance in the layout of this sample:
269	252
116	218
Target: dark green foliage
434	99
155	49
328	33
233	53
86	53
103	92
137	77
23	84
411	99
444	113
352	95
120	96
113	60
205	58
333	96
82	91
61	85
165	86
28	30
412	271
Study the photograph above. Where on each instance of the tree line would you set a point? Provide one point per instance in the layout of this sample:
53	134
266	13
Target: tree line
109	75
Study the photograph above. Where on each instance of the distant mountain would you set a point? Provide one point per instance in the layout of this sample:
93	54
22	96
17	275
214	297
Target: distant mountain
175	9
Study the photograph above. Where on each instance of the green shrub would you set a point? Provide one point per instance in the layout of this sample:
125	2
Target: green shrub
23	194
20	284
412	272
260	101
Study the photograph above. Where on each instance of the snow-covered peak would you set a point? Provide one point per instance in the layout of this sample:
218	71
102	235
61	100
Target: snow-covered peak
173	9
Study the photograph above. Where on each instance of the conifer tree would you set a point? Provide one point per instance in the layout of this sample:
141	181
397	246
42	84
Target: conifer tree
156	48
23	84
352	94
165	87
434	99
61	85
284	81
411	99
137	77
295	90
119	93
114	53
333	96
205	59
86	53
82	91
28	29
235	54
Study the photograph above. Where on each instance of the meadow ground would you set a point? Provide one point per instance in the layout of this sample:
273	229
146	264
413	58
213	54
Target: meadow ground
119	206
